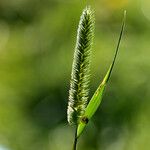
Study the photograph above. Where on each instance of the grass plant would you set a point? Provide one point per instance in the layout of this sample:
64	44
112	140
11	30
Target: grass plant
80	111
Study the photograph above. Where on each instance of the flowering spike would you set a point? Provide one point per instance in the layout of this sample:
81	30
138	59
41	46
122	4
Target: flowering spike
79	84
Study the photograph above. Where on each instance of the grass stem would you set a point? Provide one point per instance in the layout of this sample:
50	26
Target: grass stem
75	140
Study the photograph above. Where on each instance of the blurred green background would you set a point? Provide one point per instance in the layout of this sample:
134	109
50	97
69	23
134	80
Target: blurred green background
37	40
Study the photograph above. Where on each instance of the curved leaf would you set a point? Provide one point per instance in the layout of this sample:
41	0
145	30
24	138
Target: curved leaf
98	95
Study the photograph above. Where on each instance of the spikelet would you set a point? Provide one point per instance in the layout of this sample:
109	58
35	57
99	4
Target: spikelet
79	84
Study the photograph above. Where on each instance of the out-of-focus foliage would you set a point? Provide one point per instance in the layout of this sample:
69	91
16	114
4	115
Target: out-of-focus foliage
36	50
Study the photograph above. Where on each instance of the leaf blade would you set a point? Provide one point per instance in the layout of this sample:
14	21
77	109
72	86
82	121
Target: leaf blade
98	95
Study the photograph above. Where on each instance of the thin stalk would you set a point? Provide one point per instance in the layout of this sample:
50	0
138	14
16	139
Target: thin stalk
75	140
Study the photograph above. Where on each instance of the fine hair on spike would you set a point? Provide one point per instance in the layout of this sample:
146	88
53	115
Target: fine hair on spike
79	84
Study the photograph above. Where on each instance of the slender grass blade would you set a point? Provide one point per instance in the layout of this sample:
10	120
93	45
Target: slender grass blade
98	95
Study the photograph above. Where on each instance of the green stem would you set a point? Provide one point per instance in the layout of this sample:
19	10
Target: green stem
75	140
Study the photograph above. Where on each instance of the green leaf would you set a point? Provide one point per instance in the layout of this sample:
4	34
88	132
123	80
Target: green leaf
98	95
